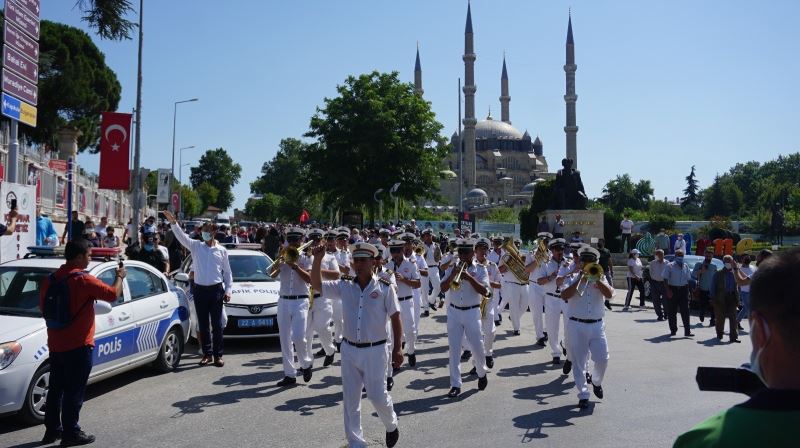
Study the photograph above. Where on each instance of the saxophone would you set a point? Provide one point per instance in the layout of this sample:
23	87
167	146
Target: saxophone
487	298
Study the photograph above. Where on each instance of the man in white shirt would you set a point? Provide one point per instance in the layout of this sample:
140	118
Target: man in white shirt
368	306
626	226
463	313
213	282
411	242
408	278
344	260
101	228
657	285
320	314
433	255
547	278
515	292
535	292
680	244
495	255
488	310
585	296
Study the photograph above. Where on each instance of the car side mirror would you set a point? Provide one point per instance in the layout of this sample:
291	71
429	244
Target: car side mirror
102	307
181	277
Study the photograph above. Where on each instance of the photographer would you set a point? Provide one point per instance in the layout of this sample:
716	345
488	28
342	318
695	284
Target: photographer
768	418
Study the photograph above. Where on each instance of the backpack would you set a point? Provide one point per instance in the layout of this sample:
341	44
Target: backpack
56	311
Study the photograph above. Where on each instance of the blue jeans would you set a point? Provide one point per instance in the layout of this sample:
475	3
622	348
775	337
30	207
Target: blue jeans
745	311
69	372
208	305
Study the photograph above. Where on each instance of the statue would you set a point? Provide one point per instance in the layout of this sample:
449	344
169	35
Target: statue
569	193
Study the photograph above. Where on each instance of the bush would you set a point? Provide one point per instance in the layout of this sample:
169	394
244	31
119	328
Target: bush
611	232
657	222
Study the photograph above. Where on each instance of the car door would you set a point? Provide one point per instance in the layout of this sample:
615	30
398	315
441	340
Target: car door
153	305
115	332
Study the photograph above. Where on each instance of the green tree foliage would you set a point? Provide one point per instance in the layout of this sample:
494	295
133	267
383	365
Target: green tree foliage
543	194
665	208
266	208
502	214
690	203
75	86
375	133
723	198
286	178
621	193
108	17
217	169
208	195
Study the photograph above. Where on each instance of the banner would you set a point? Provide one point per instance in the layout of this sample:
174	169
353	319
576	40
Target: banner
15	246
115	151
163	185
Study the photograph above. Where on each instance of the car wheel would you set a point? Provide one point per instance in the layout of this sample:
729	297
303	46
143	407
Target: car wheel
647	287
32	411
171	350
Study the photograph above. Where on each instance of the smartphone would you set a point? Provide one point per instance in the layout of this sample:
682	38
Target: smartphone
14	204
119	261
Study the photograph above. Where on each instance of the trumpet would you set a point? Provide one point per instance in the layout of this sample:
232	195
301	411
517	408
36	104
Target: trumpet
288	255
456	283
592	272
419	250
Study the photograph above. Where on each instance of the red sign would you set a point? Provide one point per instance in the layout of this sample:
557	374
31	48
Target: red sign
114	151
57	165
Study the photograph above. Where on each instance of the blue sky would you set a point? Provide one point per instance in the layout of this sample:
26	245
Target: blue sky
661	85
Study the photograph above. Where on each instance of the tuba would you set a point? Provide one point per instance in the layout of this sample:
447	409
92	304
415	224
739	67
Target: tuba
541	255
289	254
592	272
514	262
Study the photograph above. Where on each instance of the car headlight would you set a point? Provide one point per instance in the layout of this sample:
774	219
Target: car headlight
8	353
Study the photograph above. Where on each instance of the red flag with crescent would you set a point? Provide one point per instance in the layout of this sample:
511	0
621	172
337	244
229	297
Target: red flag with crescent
304	216
115	146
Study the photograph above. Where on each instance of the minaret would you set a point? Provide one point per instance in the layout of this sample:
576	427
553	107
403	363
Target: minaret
504	97
469	103
571	129
418	76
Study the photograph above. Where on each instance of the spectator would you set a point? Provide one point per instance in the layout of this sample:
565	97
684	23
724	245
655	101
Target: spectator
703	272
769	418
662	241
658	287
680	244
725	296
558	227
626	226
746	271
130	232
100	229
576	237
676	274
634	277
46	234
92	237
149	226
543	225
110	240
222	234
70	348
605	262
77	230
149	253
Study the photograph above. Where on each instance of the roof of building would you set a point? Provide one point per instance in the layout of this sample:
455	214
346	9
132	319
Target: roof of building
490	128
476	193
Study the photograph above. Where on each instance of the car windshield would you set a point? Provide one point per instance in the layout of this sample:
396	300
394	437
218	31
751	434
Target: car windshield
250	268
19	290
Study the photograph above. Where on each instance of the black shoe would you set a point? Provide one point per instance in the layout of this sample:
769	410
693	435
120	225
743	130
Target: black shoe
389	383
736	341
567	367
320	353
688	334
489	362
673	333
719	337
598	391
432	306
702	319
541	342
425	313
516	332
608	305
307	374
589	378
80	438
287	381
474	371
50	437
556	361
546	338
739	327
483	382
712	323
412	360
338	347
466	356
499	319
660	318
454	392
392	437
583	404
497	323
563	349
328	360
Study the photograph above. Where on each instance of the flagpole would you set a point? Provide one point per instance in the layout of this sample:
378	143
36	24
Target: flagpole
137	152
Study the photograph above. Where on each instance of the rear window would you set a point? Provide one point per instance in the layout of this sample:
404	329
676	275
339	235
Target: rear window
19	290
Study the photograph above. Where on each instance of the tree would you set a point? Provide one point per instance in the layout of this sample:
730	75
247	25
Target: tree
620	193
375	133
733	197
190	202
502	214
75	86
265	208
285	176
208	195
691	201
219	170
108	17
714	200
643	192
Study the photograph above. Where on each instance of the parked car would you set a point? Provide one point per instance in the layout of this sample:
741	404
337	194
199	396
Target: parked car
253	308
148	324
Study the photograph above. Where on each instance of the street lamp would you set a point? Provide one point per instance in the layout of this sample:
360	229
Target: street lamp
180	162
174	120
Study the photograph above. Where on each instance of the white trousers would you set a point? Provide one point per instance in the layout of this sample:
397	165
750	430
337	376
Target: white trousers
416	292
319	321
423	291
408	318
436	283
517	297
488	330
536	304
292	321
365	367
554	306
459	324
584	339
337	320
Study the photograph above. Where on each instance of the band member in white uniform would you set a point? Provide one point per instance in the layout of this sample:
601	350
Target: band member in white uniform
410	241
516	294
536	294
407	277
494	256
585	296
463	313
387	277
546	278
293	312
320	313
343	259
368	305
433	255
487	321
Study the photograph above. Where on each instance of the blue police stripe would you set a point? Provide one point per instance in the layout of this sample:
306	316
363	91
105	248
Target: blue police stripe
135	340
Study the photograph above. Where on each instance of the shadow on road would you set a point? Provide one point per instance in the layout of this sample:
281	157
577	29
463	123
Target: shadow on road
307	405
526	370
542	392
536	423
662	338
438	398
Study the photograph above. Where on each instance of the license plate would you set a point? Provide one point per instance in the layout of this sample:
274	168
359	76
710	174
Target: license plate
254	323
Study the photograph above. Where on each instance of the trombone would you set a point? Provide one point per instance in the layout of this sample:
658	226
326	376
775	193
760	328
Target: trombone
592	272
288	255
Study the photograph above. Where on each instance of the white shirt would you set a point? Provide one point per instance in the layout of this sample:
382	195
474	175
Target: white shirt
748	272
420	262
657	270
627	226
636	264
680	244
676	275
343	258
365	312
493	256
407	270
164	251
329	262
100	230
291	282
110	241
466	294
591	304
546	270
430	254
210	264
493	272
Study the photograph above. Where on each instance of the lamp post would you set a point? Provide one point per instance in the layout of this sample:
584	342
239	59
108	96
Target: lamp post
174	121
180	175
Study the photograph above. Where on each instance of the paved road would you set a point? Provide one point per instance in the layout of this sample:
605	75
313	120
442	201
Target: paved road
650	397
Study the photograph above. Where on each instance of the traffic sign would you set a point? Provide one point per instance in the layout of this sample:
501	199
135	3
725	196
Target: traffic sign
23	18
19	87
21	42
57	165
13	60
30	5
18	110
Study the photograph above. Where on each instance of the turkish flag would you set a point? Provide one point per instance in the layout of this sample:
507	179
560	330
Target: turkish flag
304	216
115	146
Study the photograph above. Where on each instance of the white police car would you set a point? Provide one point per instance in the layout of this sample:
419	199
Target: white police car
149	324
253	309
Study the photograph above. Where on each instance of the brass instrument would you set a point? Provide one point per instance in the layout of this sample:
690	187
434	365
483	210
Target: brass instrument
289	254
592	272
456	283
514	262
419	250
541	255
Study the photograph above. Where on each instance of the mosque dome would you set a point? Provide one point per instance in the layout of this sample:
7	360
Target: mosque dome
490	128
476	193
528	188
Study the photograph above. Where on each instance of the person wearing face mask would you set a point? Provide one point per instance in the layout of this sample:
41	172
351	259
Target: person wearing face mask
680	243
704	271
725	297
657	286
745	272
608	268
770	417
635	280
676	275
149	253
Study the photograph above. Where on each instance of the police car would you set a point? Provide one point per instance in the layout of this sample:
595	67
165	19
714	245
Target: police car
148	324
253	308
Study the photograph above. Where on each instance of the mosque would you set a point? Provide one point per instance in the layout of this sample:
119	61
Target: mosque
501	164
